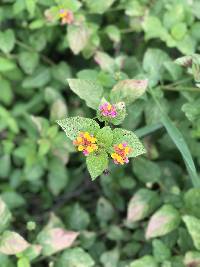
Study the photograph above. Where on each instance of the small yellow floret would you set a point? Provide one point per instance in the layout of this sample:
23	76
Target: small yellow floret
109	107
120	146
94	146
87	135
93	140
80	148
127	150
114	155
90	149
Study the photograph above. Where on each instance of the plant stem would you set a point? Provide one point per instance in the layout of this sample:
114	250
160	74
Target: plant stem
29	48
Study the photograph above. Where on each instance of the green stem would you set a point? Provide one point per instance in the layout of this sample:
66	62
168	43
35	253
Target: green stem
29	48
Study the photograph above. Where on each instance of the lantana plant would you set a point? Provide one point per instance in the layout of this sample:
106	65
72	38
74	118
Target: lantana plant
99	144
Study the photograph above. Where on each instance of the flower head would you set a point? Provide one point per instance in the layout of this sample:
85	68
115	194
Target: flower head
86	142
121	152
67	16
108	110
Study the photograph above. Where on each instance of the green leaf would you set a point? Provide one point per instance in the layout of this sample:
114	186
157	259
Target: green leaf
77	36
121	135
88	90
7	40
32	252
61	72
12	243
179	30
77	218
30	6
192	110
146	171
97	163
28	61
104	210
5	216
7	94
143	203
76	257
105	137
193	227
179	141
153	64
163	221
72	126
160	251
191	200
110	258
128	90
57	169
144	262
23	262
153	28
113	33
72	5
99	7
38	79
6	64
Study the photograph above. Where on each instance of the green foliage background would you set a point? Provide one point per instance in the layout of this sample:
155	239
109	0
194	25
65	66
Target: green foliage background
146	213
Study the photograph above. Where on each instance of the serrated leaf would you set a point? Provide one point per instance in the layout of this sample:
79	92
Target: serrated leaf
97	163
105	137
163	221
55	239
77	36
128	90
193	226
121	135
72	126
12	243
88	90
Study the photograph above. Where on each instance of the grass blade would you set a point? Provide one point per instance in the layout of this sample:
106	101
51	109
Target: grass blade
179	141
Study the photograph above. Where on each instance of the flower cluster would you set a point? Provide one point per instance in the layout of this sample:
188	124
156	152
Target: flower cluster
120	156
108	110
86	142
66	16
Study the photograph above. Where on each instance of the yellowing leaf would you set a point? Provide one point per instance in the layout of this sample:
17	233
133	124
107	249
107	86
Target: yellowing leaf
12	243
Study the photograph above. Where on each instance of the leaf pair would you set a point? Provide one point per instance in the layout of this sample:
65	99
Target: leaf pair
97	161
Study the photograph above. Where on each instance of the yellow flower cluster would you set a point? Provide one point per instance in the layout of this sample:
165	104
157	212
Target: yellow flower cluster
121	153
86	142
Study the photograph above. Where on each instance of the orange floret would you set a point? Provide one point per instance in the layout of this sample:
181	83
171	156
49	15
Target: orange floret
86	142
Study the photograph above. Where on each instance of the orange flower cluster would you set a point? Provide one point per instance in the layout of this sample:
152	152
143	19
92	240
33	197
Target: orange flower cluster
66	16
86	142
120	156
